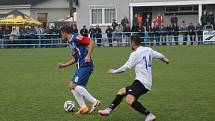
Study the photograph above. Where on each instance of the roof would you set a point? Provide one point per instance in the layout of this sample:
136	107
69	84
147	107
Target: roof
20	2
16	13
2	15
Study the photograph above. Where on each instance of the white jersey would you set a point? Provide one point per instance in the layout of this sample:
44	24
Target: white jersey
141	59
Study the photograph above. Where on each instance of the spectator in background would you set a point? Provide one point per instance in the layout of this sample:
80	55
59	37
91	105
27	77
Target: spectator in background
210	18
199	33
174	20
22	30
156	30
140	30
1	36
46	30
127	34
124	23
114	24
135	20
8	31
92	32
134	28
184	32
98	35
204	18
14	33
191	32
53	31
40	30
84	31
175	30
150	38
162	32
1	32
159	20
209	26
148	23
139	20
109	32
74	29
126	28
118	35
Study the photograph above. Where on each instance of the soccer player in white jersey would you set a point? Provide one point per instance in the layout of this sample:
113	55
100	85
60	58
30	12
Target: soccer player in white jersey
141	58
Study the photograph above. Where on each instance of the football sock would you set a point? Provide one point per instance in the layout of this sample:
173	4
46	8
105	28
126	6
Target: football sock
116	101
79	98
140	108
82	91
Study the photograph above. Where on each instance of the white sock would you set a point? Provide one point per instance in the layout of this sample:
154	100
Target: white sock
81	90
79	98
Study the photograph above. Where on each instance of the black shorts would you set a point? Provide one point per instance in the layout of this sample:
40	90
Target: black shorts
136	89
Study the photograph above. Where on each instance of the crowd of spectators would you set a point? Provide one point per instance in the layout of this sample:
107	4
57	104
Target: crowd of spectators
28	35
155	31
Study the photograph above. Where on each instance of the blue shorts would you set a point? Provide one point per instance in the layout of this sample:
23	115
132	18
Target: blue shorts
82	76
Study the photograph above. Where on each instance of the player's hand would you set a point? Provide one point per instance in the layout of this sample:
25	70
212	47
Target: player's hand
166	61
87	58
110	71
61	65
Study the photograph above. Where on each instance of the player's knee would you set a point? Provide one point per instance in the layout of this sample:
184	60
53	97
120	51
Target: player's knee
130	99
122	91
71	86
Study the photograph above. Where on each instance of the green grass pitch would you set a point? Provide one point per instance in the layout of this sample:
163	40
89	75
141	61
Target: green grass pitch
33	89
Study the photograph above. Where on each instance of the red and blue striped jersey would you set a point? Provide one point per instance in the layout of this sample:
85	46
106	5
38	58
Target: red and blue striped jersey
78	47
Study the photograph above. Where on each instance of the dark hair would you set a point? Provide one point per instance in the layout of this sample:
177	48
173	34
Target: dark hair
136	39
66	29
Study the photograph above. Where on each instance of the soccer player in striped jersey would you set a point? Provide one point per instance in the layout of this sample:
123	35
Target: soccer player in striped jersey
83	60
141	58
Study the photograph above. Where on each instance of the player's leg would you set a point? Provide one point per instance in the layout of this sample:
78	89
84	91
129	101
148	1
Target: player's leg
83	91
130	99
79	98
117	100
82	78
134	92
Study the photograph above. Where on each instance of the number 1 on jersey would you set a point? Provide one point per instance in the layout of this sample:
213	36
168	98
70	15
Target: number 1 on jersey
148	62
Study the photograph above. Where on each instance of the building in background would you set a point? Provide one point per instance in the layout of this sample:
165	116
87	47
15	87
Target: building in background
102	12
46	11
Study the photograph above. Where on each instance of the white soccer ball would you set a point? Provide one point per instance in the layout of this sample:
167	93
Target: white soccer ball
69	106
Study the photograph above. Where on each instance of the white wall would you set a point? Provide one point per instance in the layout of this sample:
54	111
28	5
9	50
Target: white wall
23	8
140	1
53	14
53	4
83	12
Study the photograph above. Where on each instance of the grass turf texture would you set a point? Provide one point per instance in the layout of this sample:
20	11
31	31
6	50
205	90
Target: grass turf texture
33	89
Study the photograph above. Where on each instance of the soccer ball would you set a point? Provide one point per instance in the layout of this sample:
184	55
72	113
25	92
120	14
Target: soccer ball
69	106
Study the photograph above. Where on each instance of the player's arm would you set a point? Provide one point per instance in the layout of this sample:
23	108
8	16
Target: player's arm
70	62
132	61
160	56
86	41
119	70
165	60
90	51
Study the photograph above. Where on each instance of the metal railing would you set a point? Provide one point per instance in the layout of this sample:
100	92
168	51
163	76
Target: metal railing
31	41
115	39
